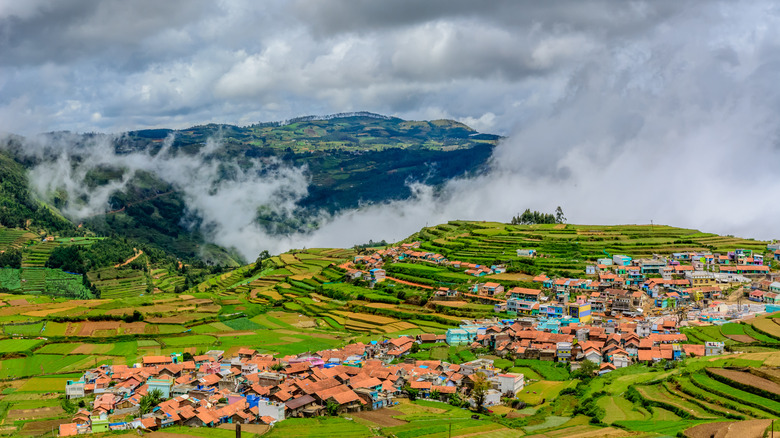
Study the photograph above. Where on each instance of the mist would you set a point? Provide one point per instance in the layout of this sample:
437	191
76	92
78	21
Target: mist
678	128
222	197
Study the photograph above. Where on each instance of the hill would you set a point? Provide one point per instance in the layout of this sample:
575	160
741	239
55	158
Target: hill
158	186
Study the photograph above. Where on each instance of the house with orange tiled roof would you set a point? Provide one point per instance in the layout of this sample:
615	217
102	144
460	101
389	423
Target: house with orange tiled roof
348	401
156	360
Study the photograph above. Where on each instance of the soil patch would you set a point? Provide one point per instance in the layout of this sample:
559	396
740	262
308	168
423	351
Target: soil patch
133	328
40	427
730	429
745	339
747	379
83	349
27	414
451	303
382	417
47	312
73	328
90	327
515	414
707	430
514	276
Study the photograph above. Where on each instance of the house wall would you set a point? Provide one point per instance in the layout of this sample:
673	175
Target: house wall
271	409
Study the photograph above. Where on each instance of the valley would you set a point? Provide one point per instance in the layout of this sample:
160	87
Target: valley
404	306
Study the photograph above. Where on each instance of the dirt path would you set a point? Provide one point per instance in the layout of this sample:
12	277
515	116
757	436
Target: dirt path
131	259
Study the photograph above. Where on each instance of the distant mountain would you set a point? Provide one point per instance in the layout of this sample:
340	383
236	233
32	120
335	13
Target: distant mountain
160	186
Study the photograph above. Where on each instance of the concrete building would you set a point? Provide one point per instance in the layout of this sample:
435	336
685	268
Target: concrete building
74	389
510	383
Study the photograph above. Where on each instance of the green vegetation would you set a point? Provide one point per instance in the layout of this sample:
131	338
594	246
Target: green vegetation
318	427
547	370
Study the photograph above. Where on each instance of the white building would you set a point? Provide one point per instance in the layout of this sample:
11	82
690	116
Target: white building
510	383
713	348
621	361
271	409
74	389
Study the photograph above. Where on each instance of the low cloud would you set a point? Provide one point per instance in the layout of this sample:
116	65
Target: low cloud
222	196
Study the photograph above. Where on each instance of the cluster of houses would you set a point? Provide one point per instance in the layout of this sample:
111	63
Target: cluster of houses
624	286
617	285
611	344
210	389
374	262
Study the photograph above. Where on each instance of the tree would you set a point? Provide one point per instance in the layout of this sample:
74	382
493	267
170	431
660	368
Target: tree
332	408
559	217
149	401
187	356
415	347
411	392
480	389
435	394
68	406
455	399
586	371
262	257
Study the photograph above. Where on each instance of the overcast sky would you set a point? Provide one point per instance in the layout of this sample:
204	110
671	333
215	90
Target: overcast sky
114	65
620	111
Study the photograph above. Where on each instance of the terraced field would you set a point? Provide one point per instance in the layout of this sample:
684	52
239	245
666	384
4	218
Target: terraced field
165	281
119	283
485	242
36	256
12	238
661	393
768	325
33	279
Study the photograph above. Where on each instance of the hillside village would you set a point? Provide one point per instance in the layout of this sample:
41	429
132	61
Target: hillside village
623	311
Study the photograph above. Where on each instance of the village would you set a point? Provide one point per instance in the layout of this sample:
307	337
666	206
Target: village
624	312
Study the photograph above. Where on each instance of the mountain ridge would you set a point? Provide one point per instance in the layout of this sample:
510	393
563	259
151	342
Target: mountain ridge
124	184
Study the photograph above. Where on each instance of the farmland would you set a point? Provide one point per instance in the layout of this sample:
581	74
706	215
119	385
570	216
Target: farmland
299	301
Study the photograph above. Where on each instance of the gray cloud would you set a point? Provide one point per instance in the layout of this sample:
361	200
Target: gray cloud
618	111
113	65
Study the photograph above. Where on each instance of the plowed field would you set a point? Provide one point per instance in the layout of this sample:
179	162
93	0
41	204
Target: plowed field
747	379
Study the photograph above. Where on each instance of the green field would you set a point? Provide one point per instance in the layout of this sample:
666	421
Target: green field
193	340
16	345
543	391
547	370
318	427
